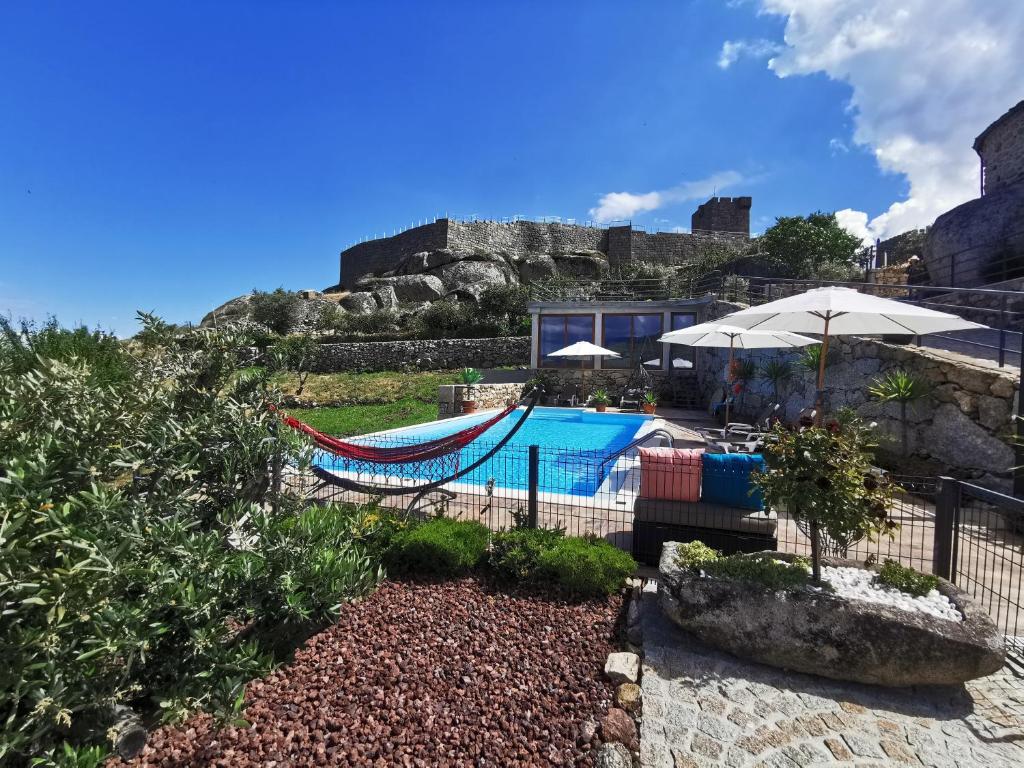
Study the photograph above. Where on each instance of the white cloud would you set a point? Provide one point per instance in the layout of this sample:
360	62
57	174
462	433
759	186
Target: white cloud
625	205
733	50
838	146
927	77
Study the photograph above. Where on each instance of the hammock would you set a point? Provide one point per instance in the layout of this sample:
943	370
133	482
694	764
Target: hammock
404	454
441	452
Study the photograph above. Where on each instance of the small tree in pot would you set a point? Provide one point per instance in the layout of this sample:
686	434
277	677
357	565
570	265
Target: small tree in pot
824	479
600	399
470	378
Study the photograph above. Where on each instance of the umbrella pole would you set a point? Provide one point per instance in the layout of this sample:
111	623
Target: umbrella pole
819	405
728	393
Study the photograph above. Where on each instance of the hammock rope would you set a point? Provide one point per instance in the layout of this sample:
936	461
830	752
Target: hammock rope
432	452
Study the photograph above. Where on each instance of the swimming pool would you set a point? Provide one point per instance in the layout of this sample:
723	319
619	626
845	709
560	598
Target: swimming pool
573	445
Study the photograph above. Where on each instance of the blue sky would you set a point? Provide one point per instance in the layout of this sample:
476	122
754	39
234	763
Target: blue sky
168	156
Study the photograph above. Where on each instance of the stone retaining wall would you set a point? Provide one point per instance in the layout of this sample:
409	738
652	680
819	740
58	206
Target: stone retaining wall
422	354
450	397
962	427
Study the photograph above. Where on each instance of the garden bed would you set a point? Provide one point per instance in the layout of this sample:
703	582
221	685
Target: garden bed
425	674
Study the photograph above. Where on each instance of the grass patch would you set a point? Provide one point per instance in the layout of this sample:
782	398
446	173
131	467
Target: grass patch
369	388
349	420
892	574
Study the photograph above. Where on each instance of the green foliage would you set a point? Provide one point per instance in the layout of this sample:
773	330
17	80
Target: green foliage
744	369
810	359
892	574
811	247
651	397
763	569
586	566
445	319
696	554
295	354
823	477
70	756
506	307
515	555
147	559
777	372
899	386
601	397
276	310
441	547
470	376
22	347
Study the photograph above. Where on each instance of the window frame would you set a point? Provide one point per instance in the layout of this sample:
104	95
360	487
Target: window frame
542	360
632	339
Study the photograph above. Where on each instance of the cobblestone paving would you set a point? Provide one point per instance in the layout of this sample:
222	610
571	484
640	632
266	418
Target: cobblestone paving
702	707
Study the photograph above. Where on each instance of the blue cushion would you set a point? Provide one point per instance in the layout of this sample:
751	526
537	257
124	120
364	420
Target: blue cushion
727	480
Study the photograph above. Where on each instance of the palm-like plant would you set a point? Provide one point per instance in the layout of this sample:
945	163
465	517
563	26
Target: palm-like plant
901	387
776	372
810	358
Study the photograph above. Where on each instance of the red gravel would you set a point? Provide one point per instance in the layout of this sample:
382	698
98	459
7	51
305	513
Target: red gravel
445	674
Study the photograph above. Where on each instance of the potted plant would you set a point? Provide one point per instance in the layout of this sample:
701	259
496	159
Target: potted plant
650	402
600	399
470	378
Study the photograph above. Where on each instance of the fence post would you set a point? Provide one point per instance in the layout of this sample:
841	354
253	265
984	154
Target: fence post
946	503
534	481
1002	330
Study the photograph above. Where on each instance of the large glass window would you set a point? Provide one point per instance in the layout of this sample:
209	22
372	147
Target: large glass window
558	331
681	357
635	338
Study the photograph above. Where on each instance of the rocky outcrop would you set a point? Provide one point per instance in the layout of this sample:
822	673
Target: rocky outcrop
472	278
819	633
359	303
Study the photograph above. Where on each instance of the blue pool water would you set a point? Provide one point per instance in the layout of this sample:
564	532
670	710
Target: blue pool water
572	446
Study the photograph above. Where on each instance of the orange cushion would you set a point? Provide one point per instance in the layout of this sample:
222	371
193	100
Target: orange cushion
670	473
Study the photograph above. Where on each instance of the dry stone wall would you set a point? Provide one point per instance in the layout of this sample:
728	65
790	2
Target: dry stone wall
486	396
423	354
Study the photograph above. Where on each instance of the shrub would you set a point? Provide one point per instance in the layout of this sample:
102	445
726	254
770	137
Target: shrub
696	554
505	305
515	555
761	569
586	566
441	547
276	309
443	320
892	574
102	353
147	558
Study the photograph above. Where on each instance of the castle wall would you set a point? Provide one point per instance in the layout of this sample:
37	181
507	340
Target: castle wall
1001	148
384	253
723	214
520	238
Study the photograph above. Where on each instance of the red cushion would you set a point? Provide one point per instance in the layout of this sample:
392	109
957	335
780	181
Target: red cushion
670	473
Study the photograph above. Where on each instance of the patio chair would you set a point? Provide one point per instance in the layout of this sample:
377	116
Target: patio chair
631	399
568	397
738	429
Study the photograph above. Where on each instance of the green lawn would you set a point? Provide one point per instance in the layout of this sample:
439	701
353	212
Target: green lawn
371	401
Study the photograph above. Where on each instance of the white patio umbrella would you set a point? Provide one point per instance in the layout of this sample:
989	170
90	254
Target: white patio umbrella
836	311
582	350
720	334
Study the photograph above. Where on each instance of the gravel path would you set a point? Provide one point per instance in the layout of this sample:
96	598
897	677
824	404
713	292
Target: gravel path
444	674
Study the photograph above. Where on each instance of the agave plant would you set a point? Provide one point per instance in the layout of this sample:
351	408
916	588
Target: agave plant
776	372
901	387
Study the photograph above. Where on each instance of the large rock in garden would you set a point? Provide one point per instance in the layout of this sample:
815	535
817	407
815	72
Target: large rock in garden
472	277
955	438
811	631
416	288
622	667
359	303
385	297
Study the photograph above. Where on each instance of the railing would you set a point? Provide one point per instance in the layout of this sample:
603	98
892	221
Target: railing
663	433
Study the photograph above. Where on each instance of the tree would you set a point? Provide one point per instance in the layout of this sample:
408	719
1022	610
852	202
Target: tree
823	477
276	309
812	247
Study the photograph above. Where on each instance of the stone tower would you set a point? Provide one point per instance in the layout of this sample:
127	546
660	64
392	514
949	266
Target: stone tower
723	214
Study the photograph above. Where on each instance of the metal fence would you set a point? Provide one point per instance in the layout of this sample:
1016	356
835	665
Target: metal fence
970	535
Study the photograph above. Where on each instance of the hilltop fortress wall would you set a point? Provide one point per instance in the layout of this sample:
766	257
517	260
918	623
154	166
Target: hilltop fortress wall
523	238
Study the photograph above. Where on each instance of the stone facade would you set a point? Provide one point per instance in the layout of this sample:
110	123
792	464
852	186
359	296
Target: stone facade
723	214
1001	149
423	354
726	222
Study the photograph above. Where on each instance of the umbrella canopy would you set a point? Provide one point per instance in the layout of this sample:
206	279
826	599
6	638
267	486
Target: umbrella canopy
835	311
716	334
583	349
839	311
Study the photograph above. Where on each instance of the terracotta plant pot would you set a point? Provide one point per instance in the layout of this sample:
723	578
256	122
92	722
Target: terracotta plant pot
649	407
601	407
469	406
